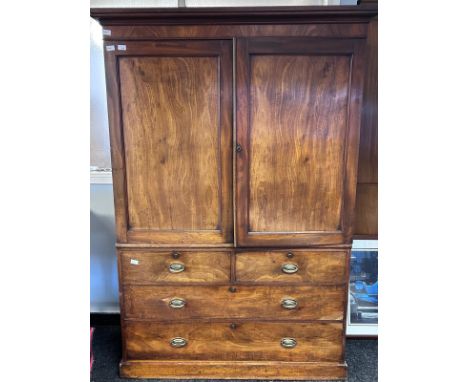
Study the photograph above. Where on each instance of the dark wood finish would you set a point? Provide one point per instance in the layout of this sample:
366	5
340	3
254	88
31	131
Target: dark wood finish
248	341
298	74
366	224
327	267
233	370
234	15
368	147
247	301
175	100
298	104
117	147
153	267
150	32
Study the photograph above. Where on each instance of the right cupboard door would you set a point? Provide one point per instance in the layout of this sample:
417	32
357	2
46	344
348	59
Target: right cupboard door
297	133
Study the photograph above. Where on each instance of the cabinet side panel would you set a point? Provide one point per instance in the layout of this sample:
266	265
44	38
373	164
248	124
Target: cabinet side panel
367	189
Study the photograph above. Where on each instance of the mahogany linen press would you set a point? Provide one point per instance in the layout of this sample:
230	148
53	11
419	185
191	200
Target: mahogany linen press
234	141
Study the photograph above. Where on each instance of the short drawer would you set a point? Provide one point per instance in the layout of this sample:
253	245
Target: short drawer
240	341
175	266
244	301
291	266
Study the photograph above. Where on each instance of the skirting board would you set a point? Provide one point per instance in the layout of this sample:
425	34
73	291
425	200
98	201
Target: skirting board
233	370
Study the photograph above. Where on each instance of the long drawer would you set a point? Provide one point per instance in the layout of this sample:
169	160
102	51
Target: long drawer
175	266
235	341
292	266
240	301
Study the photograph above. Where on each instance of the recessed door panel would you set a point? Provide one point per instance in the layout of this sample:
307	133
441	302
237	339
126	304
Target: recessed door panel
297	121
170	119
298	132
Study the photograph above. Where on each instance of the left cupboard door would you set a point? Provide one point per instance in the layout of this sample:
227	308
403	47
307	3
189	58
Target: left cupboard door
170	118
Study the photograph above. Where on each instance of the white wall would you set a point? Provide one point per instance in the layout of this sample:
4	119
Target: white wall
99	134
103	263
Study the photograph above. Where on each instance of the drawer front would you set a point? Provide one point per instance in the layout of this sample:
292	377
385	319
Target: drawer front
175	266
247	301
235	341
292	266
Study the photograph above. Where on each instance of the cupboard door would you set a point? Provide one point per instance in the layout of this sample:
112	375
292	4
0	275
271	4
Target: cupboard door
298	116
170	107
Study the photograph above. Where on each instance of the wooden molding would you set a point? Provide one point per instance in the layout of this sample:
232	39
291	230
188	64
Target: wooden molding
234	15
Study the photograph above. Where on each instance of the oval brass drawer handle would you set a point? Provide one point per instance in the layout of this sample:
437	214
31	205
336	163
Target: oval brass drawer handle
289	268
176	267
177	303
178	342
288	343
289	303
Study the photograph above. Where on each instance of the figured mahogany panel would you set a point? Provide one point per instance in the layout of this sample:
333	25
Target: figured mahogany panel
176	137
246	301
140	32
243	341
200	266
297	130
298	125
170	118
327	267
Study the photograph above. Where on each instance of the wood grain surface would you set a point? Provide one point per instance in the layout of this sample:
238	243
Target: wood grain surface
299	78
271	370
366	225
368	146
298	124
176	136
314	266
170	114
297	130
139	32
248	341
234	15
153	267
247	301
